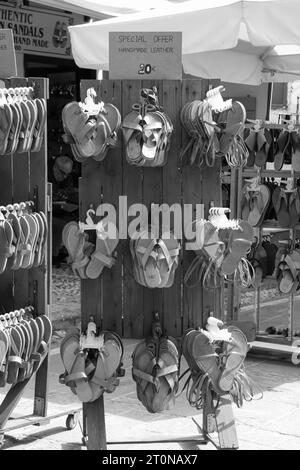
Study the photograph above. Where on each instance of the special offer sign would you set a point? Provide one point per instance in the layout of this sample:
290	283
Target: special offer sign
140	56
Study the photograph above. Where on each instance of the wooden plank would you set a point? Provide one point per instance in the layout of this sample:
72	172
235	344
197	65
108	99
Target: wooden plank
21	192
132	188
172	194
225	424
192	194
152	193
96	425
90	196
111	183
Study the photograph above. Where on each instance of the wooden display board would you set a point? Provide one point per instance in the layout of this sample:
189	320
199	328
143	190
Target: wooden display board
115	299
24	178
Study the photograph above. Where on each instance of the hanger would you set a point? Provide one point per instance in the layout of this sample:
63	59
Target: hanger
217	216
215	99
90	106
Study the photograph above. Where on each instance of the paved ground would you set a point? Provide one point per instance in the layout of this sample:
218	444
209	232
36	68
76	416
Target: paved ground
270	423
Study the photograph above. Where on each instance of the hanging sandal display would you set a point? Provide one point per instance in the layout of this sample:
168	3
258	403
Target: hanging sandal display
91	127
92	361
147	131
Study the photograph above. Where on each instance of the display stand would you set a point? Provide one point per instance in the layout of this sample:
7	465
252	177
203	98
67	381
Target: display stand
115	300
24	178
263	345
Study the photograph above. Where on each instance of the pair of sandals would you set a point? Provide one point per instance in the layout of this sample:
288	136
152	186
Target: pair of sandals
91	372
88	259
220	253
255	202
23	237
155	259
91	133
24	343
259	143
287	206
288	272
155	369
216	367
147	132
22	121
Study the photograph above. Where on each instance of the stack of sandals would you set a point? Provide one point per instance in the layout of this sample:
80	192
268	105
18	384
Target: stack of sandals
147	132
154	259
90	132
23	237
220	253
88	259
209	138
24	343
91	372
22	121
216	366
155	369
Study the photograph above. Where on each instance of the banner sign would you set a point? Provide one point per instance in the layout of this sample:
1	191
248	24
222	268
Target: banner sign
145	55
8	66
38	31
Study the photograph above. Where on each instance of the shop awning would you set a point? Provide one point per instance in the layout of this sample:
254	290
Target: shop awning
237	41
99	9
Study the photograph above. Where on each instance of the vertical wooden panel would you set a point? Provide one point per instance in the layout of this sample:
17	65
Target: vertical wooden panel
172	193
152	193
90	195
21	192
132	188
192	194
38	277
111	183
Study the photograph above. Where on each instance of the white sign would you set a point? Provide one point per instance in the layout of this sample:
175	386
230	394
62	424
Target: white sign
38	31
8	67
139	55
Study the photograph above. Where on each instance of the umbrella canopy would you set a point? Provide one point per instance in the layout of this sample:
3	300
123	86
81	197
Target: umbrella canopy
235	41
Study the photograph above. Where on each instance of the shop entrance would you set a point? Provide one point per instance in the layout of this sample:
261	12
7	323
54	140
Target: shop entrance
63	170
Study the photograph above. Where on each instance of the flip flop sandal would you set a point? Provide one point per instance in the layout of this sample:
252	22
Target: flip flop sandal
105	246
245	203
6	243
26	351
166	370
36	261
24	247
143	362
168	253
132	133
6	122
4	345
108	362
14	130
212	246
25	131
236	118
74	363
239	243
233	356
152	131
33	119
14	357
77	124
294	207
259	202
282	144
35	356
262	150
56	34
13	219
147	259
33	233
201	349
296	152
45	238
74	241
280	204
40	124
